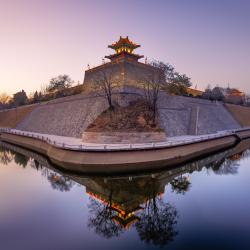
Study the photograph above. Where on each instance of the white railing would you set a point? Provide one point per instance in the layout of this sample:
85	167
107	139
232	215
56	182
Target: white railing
81	146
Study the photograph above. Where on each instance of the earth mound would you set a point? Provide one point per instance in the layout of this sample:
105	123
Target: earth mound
134	118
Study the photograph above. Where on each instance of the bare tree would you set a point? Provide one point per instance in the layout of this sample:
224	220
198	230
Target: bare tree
4	98
152	85
105	82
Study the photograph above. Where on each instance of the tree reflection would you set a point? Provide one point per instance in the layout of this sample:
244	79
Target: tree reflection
181	184
153	219
36	165
5	156
60	182
227	166
21	159
101	219
157	222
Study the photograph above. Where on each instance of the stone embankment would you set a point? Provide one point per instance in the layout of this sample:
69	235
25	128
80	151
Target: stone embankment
12	117
240	113
70	116
184	115
106	160
123	137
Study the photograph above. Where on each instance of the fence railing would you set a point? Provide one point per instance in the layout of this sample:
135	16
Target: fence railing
61	142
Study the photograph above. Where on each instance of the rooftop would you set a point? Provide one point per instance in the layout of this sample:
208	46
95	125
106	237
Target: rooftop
124	42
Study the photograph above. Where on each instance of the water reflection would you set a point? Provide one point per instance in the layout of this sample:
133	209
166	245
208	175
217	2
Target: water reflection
119	203
180	184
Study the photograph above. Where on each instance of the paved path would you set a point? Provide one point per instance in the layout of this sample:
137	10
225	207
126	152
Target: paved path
77	144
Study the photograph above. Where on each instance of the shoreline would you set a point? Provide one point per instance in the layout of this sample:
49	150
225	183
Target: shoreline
124	161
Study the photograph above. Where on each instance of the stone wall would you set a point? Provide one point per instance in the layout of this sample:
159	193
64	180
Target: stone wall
185	115
123	137
136	73
124	72
241	113
116	70
11	117
68	116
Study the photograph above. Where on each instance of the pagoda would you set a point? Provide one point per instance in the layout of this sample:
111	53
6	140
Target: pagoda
124	64
124	48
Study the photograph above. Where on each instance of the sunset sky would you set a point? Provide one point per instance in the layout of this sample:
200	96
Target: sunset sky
207	40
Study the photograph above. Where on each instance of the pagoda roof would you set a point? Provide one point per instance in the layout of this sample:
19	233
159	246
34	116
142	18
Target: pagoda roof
124	41
123	54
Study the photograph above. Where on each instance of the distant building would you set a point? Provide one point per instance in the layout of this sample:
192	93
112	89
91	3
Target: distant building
124	65
235	96
194	92
230	95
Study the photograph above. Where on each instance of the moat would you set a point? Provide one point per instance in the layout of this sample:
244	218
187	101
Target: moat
203	204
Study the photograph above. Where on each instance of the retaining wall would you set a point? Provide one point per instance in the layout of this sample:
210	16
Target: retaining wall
121	161
123	137
11	117
70	116
177	116
241	114
67	116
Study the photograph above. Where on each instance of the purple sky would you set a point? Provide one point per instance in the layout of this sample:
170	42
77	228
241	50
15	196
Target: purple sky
207	40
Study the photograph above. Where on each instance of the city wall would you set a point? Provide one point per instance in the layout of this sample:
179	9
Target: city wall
241	113
11	117
70	116
124	72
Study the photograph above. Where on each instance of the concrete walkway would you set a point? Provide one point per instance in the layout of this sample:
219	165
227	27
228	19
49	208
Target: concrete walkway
77	144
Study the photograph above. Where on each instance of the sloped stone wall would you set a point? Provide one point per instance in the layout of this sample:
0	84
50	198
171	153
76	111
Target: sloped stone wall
68	116
176	114
11	117
241	113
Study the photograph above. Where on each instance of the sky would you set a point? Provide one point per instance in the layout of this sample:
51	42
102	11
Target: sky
208	40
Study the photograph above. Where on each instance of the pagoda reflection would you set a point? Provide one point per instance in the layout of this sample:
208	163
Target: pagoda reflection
125	197
132	202
119	204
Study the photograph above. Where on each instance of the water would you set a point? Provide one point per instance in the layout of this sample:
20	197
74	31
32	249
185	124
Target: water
201	205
